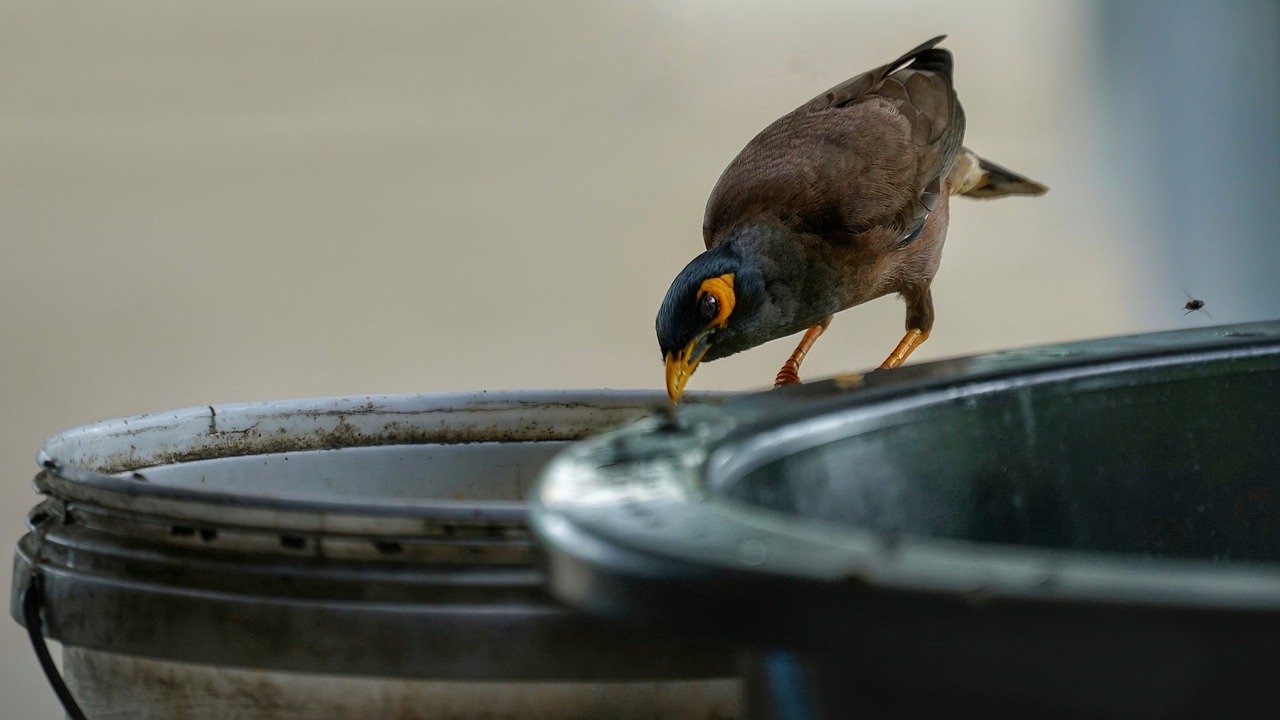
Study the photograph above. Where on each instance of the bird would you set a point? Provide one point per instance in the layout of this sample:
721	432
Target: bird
841	201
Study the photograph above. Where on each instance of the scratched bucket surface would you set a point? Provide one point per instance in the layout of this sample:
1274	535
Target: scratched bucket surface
336	557
1086	530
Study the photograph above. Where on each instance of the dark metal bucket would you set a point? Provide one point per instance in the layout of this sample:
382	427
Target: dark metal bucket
1082	530
336	558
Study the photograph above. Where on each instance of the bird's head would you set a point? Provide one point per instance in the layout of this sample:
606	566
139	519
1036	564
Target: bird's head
709	303
731	298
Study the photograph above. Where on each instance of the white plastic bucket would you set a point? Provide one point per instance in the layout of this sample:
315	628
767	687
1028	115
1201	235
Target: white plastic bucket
336	558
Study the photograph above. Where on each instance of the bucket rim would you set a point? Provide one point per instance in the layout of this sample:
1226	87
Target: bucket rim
104	462
601	551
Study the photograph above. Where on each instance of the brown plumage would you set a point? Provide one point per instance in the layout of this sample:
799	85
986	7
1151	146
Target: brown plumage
841	201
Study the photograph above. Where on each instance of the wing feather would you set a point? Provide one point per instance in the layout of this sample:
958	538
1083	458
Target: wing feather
870	152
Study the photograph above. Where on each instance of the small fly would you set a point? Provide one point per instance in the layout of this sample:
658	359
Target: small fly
1194	304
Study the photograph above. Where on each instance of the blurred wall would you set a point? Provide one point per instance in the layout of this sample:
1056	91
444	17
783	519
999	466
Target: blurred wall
1191	106
241	200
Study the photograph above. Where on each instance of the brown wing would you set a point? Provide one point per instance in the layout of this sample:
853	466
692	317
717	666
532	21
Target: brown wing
871	151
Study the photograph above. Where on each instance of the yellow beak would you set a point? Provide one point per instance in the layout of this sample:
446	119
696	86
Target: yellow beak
680	365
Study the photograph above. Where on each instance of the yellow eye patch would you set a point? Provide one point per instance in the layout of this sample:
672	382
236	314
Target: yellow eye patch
720	288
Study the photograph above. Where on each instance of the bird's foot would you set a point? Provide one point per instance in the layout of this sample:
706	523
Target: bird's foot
790	372
788	375
910	342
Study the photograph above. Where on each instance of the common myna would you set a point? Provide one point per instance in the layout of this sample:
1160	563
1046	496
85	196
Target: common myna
839	202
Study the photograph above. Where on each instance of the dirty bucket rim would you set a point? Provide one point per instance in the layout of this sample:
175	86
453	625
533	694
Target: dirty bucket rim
71	470
391	580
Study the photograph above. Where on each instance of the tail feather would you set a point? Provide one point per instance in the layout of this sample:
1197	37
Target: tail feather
918	53
992	181
936	60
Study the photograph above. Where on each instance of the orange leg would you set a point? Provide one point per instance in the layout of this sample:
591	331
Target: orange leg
790	372
910	342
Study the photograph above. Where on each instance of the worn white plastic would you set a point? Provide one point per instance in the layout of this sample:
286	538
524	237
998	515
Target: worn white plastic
336	558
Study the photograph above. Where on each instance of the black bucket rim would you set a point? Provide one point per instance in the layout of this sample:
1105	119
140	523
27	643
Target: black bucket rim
611	531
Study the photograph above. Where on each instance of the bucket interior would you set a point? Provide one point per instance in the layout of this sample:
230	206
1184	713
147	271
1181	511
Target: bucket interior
480	471
1175	461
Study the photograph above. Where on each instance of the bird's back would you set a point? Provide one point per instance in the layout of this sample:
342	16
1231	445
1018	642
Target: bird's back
871	152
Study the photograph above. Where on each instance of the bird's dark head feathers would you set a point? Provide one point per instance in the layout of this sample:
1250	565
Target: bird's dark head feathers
735	281
775	290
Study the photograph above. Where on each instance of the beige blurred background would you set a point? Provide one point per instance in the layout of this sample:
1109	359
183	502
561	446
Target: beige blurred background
232	201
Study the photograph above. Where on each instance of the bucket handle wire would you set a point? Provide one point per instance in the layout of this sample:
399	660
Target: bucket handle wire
32	600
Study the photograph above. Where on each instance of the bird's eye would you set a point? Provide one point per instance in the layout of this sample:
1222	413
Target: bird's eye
708	307
715	300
